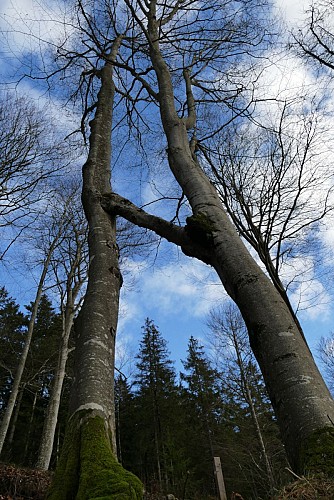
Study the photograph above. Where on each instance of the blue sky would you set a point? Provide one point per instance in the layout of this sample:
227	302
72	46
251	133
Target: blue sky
175	291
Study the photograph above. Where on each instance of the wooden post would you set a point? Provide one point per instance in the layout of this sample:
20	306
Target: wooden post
219	479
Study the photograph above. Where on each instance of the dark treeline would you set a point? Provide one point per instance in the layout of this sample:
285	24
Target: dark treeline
169	425
26	426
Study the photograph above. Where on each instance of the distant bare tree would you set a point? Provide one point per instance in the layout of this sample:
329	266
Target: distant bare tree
228	341
69	264
276	185
32	153
315	40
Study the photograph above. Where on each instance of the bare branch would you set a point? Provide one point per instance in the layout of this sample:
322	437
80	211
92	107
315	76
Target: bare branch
115	204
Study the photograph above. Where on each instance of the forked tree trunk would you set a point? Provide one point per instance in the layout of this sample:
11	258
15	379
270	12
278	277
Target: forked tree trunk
88	466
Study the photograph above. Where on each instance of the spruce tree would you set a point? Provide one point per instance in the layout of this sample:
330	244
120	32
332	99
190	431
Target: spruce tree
203	416
155	400
36	382
12	328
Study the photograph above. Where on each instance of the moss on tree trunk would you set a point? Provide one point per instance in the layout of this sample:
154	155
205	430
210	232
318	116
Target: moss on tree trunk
88	469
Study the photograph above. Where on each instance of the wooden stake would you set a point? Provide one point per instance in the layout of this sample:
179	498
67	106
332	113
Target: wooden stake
219	479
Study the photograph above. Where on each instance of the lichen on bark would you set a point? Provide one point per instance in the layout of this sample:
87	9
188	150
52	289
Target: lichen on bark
88	469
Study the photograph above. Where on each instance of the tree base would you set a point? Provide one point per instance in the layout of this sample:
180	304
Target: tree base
88	469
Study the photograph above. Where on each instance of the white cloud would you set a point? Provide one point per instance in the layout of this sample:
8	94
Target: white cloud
28	23
293	11
187	287
327	236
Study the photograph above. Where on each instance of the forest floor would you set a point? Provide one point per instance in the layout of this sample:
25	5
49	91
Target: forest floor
308	488
18	483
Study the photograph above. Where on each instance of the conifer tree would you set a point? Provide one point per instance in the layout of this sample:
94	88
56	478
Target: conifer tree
203	412
156	393
36	382
12	327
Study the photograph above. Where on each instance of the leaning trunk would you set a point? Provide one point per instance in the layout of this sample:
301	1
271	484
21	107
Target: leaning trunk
88	467
301	400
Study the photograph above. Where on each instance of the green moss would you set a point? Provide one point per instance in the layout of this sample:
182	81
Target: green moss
317	454
65	481
102	477
88	469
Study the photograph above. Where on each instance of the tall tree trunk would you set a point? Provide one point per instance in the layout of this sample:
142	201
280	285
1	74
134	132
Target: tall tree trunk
245	386
258	431
301	400
88	466
27	437
72	289
13	422
51	417
19	372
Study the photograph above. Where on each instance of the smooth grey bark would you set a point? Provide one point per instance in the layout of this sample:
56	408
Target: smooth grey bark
18	375
301	400
95	327
88	461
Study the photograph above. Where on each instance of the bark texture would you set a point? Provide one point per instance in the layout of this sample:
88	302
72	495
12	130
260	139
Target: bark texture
88	466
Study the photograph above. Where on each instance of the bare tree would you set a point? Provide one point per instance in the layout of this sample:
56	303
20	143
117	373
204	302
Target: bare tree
91	438
276	186
184	60
228	339
69	266
316	40
32	153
